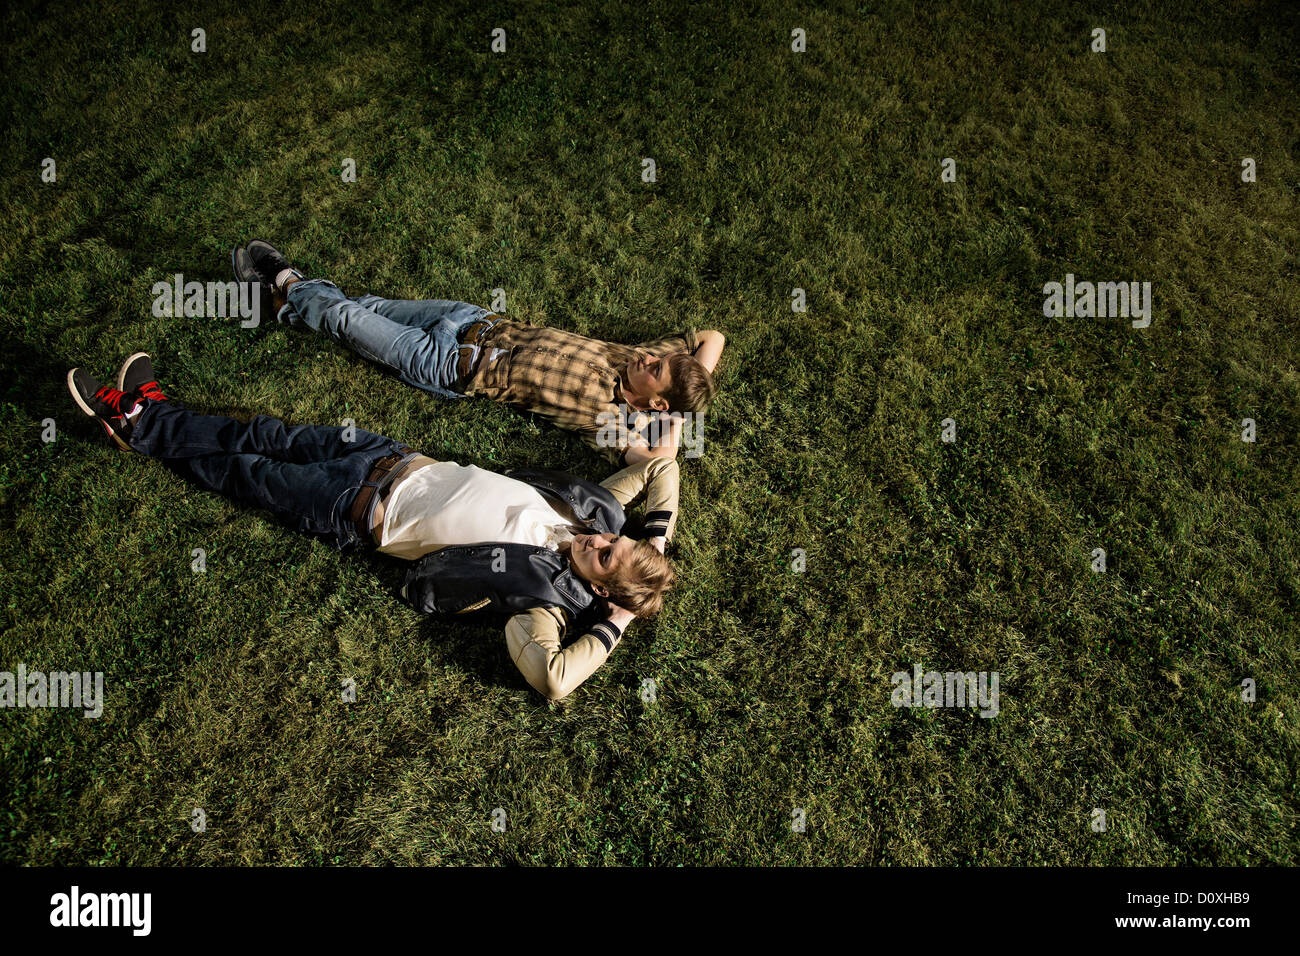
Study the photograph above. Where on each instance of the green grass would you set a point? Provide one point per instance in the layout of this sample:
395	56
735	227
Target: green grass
775	171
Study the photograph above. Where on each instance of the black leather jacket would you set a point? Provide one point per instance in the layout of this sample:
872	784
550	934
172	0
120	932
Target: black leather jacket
461	578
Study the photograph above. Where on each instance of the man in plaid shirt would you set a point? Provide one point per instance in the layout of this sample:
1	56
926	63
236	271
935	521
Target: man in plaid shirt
621	399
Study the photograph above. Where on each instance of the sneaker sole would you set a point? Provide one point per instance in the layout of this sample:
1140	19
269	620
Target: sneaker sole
121	373
234	267
76	394
81	403
266	302
113	435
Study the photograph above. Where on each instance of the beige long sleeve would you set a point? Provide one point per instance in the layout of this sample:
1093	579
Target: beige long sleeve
533	638
658	480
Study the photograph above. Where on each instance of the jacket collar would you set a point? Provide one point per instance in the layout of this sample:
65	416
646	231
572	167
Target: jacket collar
592	505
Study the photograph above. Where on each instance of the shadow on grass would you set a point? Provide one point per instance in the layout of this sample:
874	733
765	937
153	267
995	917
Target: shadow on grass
474	644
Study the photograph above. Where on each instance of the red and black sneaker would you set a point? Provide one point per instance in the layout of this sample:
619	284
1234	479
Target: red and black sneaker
109	406
136	378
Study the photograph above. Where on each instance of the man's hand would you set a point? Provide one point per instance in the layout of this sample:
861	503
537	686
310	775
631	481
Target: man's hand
670	439
620	617
709	349
659	543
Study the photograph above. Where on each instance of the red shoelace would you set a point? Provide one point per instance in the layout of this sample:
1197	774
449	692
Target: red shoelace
113	399
151	390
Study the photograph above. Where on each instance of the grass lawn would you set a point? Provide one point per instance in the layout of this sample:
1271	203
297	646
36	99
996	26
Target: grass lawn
775	170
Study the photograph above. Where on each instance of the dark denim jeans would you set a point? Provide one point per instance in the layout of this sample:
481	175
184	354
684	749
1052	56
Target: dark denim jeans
306	475
419	339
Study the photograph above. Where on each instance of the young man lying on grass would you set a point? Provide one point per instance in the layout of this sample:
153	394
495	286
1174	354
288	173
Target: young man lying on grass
546	547
619	398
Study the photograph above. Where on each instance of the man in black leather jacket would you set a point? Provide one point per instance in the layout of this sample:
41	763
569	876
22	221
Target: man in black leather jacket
548	547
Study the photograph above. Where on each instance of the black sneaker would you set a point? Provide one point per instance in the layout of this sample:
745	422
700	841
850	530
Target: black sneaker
269	263
246	271
137	379
108	406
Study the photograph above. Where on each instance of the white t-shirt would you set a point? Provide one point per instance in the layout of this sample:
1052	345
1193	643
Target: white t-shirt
444	504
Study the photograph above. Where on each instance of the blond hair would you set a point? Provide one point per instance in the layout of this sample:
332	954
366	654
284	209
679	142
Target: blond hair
641	581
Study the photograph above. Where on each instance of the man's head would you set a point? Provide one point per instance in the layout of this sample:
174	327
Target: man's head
624	571
671	383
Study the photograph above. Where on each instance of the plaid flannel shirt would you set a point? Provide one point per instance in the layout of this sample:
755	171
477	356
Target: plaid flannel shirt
569	379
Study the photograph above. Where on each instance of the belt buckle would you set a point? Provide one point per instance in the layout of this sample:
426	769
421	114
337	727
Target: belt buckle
465	362
378	485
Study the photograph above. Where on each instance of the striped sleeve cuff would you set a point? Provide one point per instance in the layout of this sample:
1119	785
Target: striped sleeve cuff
607	634
656	523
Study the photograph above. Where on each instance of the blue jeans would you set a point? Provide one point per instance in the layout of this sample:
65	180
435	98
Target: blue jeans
419	339
307	475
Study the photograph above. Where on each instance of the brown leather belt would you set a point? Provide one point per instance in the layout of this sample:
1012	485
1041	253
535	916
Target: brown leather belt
384	473
468	339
